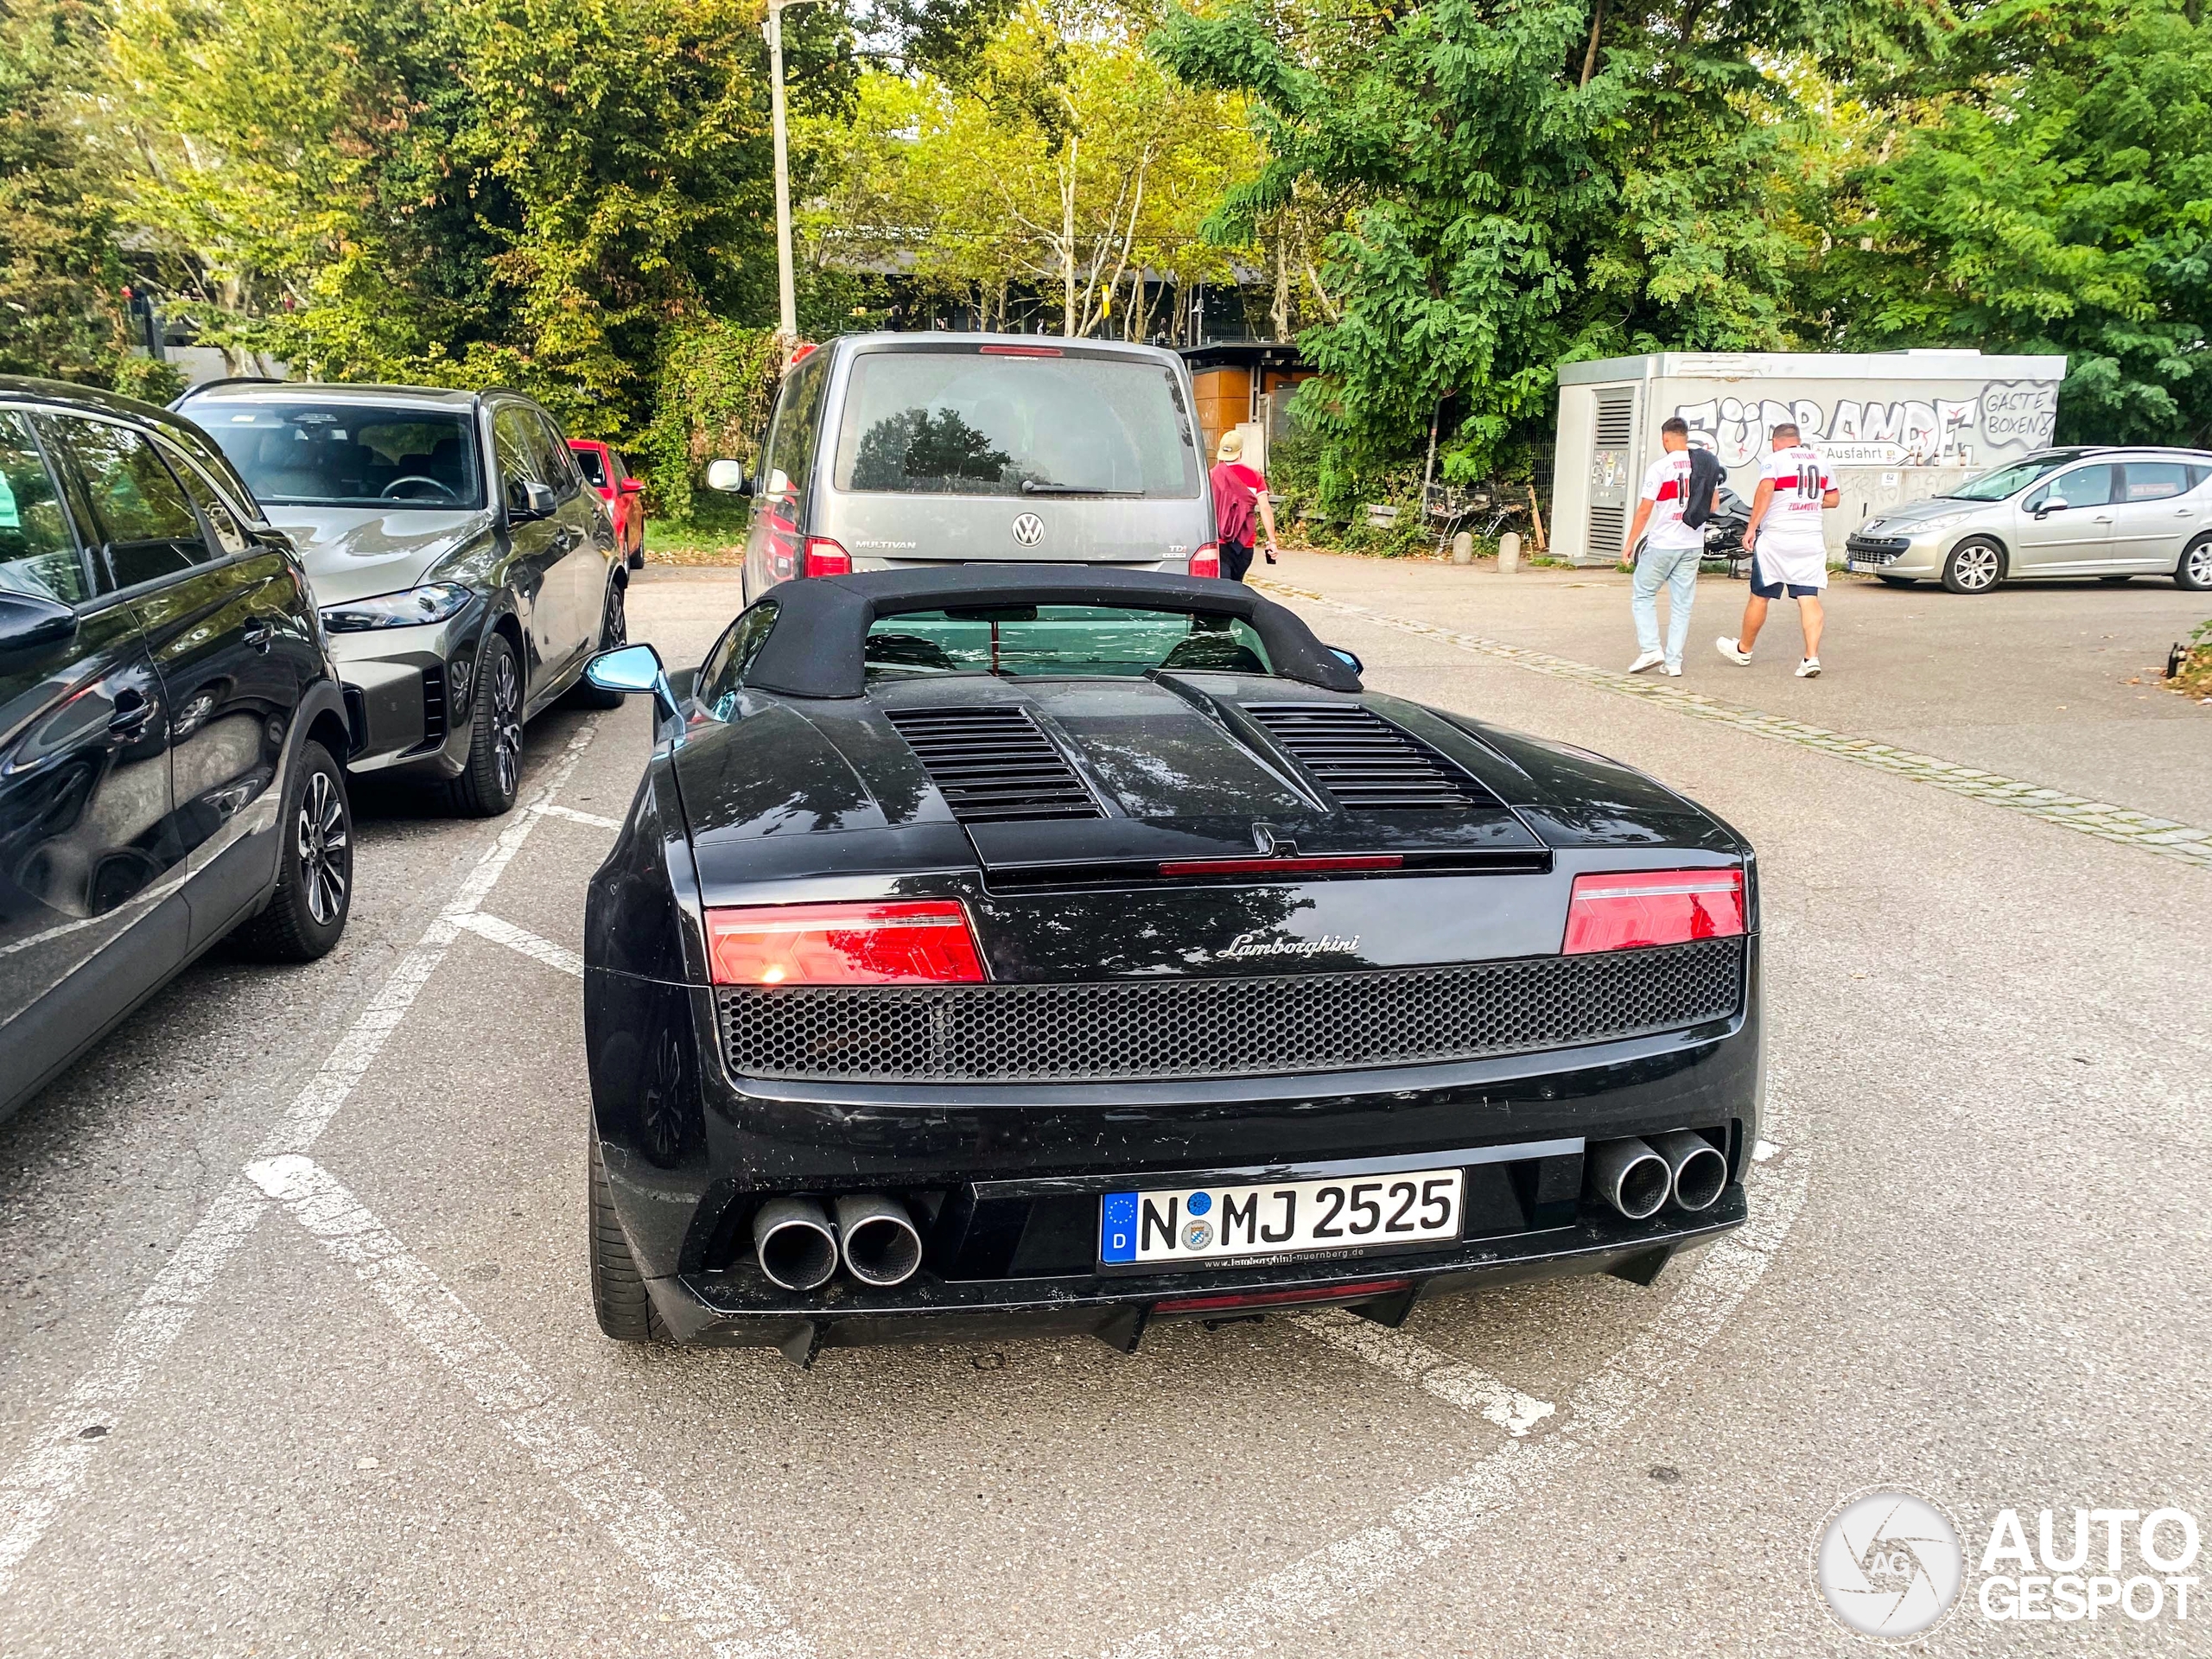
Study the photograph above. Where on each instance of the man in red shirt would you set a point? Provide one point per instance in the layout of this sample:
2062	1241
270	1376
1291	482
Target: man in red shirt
1237	491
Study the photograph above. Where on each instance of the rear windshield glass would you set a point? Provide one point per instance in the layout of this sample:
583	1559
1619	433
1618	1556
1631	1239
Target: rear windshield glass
342	455
1017	640
2008	481
964	424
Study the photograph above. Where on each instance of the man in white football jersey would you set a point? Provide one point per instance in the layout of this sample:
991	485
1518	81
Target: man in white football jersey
1789	551
1671	550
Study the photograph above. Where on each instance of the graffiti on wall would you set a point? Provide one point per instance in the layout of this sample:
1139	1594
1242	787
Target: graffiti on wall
2005	415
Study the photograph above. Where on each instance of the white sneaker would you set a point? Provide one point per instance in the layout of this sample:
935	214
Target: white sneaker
1674	670
1727	648
1648	660
1809	668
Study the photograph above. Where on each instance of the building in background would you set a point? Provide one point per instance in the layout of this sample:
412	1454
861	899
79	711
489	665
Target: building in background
1896	427
1247	384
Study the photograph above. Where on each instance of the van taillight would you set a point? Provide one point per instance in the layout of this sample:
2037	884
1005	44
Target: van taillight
1206	562
826	558
1624	909
919	942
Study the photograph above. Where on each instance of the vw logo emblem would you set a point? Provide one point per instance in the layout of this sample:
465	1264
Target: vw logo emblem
1029	530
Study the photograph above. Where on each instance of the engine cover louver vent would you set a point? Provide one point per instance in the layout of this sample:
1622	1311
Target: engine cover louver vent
992	765
1367	763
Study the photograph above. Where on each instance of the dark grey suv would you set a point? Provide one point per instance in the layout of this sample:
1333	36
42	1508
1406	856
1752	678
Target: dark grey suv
171	730
465	570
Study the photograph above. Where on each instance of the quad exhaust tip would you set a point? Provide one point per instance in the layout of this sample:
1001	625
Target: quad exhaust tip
878	1238
1632	1177
1697	1173
796	1244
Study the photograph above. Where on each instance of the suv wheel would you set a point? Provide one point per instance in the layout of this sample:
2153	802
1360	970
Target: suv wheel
614	630
2195	571
1975	566
489	783
315	873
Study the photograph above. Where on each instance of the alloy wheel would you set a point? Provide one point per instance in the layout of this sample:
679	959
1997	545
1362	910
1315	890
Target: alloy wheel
1976	566
507	724
2199	565
614	628
325	860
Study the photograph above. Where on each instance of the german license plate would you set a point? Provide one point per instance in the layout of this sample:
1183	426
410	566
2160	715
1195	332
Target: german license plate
1189	1226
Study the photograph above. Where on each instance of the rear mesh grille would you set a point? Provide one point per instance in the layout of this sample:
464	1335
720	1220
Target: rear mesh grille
993	764
1366	762
1136	1029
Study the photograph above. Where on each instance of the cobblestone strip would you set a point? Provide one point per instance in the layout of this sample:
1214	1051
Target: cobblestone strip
2169	839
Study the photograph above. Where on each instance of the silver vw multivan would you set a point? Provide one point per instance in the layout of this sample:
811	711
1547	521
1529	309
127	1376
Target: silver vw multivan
2107	512
886	451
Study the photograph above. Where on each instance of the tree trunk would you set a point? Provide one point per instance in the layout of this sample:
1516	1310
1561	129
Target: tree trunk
1067	240
1590	58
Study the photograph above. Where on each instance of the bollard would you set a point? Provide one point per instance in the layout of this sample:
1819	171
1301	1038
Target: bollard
1508	553
1463	548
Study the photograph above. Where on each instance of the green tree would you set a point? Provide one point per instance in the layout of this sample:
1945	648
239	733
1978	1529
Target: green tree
1528	184
60	276
2044	184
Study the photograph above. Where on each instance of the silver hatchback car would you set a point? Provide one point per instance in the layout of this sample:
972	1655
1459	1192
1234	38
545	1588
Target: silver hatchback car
2111	513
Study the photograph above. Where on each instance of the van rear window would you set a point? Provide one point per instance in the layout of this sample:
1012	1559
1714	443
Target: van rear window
936	422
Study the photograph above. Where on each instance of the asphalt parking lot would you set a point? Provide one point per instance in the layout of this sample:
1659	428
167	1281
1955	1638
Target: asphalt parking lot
296	1353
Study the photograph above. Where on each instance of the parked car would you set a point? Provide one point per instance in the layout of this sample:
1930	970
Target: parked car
172	733
466	572
1028	949
608	471
886	451
2111	513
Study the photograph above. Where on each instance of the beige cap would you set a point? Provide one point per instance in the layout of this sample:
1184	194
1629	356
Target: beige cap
1231	447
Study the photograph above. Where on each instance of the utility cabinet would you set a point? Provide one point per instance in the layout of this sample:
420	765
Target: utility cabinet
1896	427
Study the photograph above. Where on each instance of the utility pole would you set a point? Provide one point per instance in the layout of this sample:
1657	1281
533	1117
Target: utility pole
786	297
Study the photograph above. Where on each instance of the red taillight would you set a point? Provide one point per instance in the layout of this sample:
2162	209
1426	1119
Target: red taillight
826	558
1323	864
1020	351
1282	1298
800	353
1206	562
1622	911
920	941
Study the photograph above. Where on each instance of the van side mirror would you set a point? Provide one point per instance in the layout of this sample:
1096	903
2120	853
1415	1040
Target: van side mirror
728	477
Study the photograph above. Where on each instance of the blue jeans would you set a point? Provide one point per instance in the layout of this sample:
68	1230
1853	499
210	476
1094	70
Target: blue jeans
1676	569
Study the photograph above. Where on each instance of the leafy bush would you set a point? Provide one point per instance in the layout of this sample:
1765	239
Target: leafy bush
710	402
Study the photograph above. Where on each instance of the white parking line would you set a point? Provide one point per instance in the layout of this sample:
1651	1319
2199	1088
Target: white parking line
521	939
574	817
1468	1386
48	1474
701	1588
1320	1586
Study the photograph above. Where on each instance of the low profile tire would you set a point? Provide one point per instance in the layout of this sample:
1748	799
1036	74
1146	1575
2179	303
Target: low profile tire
1895	581
1975	566
614	630
618	1289
2195	571
314	875
489	783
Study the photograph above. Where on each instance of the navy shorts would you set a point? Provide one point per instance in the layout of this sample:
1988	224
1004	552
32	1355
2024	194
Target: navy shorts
1766	589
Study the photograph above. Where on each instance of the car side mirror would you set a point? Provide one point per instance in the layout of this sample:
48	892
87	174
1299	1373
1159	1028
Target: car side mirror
2056	503
728	477
1349	658
632	486
633	668
528	499
29	620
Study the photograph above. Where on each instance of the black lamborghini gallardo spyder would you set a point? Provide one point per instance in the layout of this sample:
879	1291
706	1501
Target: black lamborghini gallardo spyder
1004	949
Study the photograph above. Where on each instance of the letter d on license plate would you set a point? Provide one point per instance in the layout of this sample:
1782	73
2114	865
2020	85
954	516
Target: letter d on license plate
1187	1226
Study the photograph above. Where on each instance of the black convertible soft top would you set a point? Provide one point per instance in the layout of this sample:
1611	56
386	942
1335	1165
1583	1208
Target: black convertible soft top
815	649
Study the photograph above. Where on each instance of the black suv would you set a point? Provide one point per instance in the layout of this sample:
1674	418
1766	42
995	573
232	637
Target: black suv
172	733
